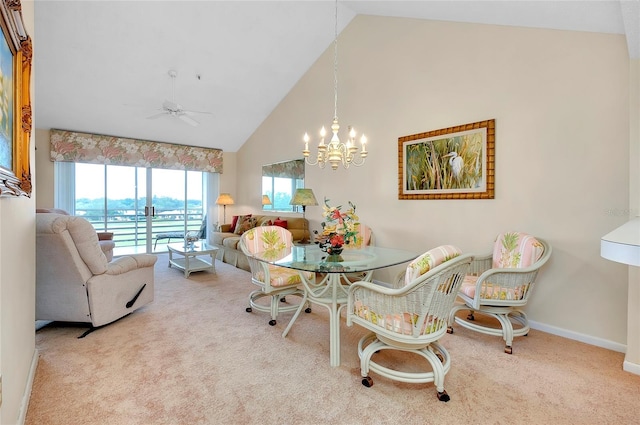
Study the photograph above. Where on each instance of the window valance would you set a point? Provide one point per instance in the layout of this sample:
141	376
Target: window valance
71	146
288	169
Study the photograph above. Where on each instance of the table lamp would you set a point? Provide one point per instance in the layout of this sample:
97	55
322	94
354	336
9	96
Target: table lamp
224	199
266	200
304	197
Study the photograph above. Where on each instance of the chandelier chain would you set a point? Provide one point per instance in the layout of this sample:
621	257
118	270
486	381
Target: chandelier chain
335	65
336	152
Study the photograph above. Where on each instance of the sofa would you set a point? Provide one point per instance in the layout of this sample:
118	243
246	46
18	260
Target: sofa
105	239
74	280
228	235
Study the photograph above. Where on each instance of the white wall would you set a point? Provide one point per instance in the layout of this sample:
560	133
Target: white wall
17	288
560	100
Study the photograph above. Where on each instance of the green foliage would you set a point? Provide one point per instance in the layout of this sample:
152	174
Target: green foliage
428	167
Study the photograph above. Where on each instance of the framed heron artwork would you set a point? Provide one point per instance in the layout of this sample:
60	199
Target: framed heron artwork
450	163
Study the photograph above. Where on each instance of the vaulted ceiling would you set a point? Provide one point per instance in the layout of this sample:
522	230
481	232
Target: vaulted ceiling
103	66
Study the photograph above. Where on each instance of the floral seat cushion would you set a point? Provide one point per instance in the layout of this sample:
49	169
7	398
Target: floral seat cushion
281	276
511	250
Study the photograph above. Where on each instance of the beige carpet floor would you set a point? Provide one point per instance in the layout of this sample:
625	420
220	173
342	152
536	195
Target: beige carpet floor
194	356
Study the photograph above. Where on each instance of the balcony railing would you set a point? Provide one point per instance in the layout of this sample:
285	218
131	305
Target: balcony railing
129	227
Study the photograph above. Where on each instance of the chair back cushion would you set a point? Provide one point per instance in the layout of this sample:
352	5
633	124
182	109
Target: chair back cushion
86	239
272	240
266	239
516	250
362	237
429	260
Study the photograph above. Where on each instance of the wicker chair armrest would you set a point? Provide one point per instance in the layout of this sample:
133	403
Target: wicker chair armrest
259	269
481	264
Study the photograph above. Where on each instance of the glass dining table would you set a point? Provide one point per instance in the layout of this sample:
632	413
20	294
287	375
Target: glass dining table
331	286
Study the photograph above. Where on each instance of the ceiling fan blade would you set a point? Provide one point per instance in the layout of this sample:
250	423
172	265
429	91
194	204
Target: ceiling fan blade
197	112
186	118
155	116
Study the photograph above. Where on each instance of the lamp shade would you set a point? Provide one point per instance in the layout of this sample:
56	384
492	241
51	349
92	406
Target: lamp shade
303	197
224	199
266	200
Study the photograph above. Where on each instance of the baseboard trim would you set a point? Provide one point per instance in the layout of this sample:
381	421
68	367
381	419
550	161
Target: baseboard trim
577	336
24	406
631	367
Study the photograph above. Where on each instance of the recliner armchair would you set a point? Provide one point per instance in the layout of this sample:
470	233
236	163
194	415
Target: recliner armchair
74	280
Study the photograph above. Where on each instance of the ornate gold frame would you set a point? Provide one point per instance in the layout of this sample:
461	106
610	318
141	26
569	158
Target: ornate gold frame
427	168
17	180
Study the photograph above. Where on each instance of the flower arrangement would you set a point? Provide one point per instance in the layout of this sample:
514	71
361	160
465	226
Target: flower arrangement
338	228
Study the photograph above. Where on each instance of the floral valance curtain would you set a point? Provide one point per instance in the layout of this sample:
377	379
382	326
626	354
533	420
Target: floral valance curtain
71	146
289	169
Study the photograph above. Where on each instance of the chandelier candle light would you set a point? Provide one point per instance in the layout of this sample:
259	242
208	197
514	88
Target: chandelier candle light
336	152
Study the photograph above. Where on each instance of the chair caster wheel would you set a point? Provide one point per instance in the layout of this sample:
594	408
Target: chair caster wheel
307	310
272	322
249	310
449	329
471	317
508	349
439	356
367	382
283	300
443	396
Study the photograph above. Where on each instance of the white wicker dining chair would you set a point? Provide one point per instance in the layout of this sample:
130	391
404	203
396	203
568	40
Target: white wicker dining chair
499	286
411	316
273	282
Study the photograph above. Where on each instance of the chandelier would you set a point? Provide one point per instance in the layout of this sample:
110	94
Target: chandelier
336	152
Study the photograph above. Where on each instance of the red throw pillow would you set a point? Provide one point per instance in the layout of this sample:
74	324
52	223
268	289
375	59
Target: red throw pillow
234	221
281	223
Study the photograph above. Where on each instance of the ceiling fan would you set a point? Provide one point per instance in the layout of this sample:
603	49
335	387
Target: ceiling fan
174	109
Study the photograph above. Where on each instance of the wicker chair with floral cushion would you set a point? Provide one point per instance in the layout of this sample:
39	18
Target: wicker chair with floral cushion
410	316
272	242
500	284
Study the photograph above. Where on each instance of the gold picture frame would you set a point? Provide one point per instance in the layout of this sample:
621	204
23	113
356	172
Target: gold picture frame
15	101
450	163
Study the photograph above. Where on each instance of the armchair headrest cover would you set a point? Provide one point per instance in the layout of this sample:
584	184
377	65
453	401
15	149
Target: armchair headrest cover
429	260
516	250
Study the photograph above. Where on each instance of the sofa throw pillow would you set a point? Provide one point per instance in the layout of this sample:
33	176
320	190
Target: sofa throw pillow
234	222
245	222
281	223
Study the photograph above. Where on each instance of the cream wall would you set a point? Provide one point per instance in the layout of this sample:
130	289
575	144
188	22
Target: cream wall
632	357
44	170
17	289
561	104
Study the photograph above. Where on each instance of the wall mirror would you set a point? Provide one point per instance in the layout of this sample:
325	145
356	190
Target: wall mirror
279	182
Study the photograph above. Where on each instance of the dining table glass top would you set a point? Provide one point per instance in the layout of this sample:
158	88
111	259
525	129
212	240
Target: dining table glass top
312	258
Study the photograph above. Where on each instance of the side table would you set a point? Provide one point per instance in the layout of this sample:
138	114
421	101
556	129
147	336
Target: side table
192	258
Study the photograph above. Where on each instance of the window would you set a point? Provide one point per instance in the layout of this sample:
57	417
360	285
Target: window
279	183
